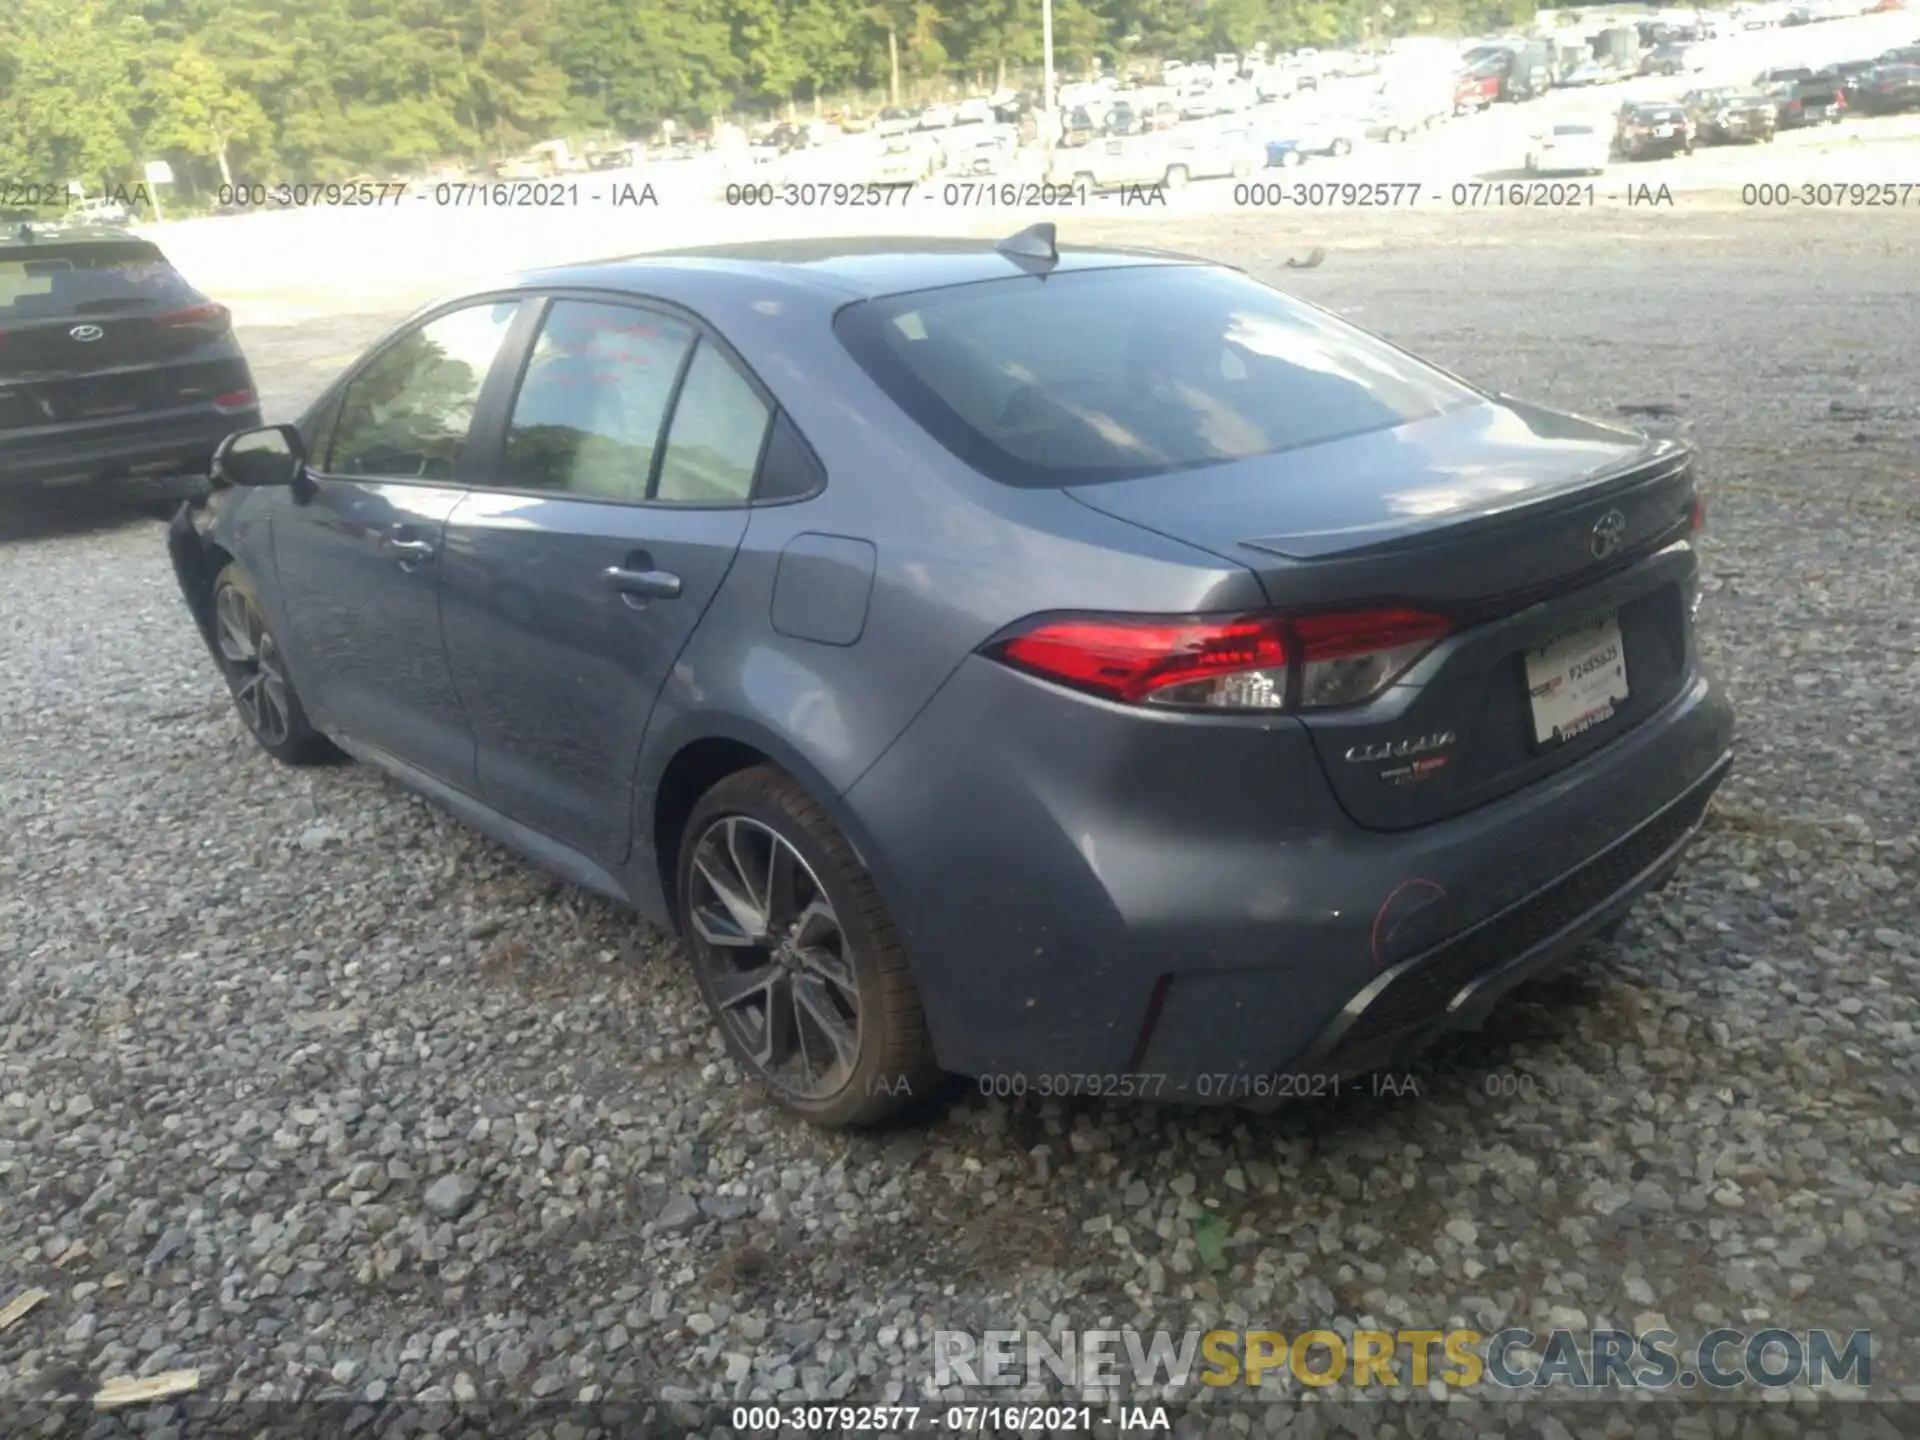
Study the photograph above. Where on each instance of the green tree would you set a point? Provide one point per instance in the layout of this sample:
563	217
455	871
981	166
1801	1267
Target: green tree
198	111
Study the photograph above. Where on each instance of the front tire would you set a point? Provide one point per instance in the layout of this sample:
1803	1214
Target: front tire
1177	177
256	674
796	957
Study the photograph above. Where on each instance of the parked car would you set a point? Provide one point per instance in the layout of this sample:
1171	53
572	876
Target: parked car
1890	89
1402	111
112	364
1808	99
1123	119
1727	116
952	741
1170	158
1590	72
1669	60
909	159
1569	148
1652	131
1846	76
1306	136
893	121
1476	89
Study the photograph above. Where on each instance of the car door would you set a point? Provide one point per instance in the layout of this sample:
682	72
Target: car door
573	579
358	558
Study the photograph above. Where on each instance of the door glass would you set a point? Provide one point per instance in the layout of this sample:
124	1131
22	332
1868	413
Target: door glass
407	416
719	424
594	399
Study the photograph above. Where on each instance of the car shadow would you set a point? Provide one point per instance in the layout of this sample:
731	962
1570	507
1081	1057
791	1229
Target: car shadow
47	514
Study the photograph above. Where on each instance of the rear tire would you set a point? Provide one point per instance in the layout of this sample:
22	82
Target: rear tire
1177	177
794	953
1342	147
255	670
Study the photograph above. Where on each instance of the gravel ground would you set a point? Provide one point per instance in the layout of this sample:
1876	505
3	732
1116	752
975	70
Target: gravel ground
306	1086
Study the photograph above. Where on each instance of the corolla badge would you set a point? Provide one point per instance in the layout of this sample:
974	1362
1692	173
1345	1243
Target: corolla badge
86	334
1399	749
1608	533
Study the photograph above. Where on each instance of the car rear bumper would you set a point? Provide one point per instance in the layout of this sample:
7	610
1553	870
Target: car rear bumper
1098	894
177	441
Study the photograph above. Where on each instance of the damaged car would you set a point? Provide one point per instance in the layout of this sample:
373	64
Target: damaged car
1165	679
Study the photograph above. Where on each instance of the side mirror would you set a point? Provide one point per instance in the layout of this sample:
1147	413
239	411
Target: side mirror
274	455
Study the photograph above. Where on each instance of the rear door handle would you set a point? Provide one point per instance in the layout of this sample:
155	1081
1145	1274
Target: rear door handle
412	553
637	584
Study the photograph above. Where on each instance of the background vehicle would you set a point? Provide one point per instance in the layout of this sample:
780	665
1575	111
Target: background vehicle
893	121
908	159
1729	116
1652	132
1405	106
1890	89
1569	148
111	363
1170	158
1669	60
1846	76
1805	99
1302	137
807	691
1476	89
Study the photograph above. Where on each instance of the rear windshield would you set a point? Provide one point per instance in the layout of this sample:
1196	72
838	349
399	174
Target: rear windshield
53	280
1115	374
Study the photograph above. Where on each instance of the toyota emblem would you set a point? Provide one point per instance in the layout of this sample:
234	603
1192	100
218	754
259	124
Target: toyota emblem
1608	531
86	334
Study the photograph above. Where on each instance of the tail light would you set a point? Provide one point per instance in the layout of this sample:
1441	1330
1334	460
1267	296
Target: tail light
233	400
1243	662
199	317
1699	520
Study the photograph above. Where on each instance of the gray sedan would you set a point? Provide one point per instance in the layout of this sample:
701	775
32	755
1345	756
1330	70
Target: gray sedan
1085	670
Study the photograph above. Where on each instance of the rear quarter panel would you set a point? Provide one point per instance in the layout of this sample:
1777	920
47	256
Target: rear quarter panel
956	558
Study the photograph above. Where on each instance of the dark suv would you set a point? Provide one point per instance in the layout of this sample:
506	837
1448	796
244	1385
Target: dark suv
1653	132
111	364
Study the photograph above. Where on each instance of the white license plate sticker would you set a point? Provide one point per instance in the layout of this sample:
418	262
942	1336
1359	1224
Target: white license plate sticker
1578	681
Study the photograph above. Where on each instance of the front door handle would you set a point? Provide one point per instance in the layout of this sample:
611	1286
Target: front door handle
411	552
642	585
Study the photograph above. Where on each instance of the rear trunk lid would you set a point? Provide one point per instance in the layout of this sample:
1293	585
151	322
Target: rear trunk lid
1520	524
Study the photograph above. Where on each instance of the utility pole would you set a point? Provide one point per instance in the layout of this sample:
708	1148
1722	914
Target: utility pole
1047	123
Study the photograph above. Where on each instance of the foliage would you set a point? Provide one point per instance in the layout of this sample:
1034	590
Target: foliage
326	89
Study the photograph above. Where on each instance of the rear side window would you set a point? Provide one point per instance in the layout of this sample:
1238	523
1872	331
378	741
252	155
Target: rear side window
1101	375
594	399
52	281
719	427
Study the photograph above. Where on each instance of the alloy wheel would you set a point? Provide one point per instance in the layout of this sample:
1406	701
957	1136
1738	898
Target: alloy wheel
775	959
253	660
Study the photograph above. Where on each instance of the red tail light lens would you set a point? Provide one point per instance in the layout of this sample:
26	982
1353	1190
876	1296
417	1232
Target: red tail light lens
234	400
203	317
1699	520
1237	664
1244	662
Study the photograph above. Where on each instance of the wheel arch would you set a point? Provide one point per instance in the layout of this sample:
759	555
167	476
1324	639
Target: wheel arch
197	563
699	754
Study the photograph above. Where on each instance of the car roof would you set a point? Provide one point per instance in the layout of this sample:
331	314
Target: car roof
24	234
852	268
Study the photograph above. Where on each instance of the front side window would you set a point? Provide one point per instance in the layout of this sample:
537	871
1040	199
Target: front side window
1088	376
407	415
593	403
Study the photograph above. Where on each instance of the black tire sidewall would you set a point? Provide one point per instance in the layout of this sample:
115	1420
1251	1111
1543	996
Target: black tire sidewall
756	795
303	742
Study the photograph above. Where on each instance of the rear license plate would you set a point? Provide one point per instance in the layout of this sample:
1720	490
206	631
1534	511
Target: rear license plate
1663	130
1577	682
